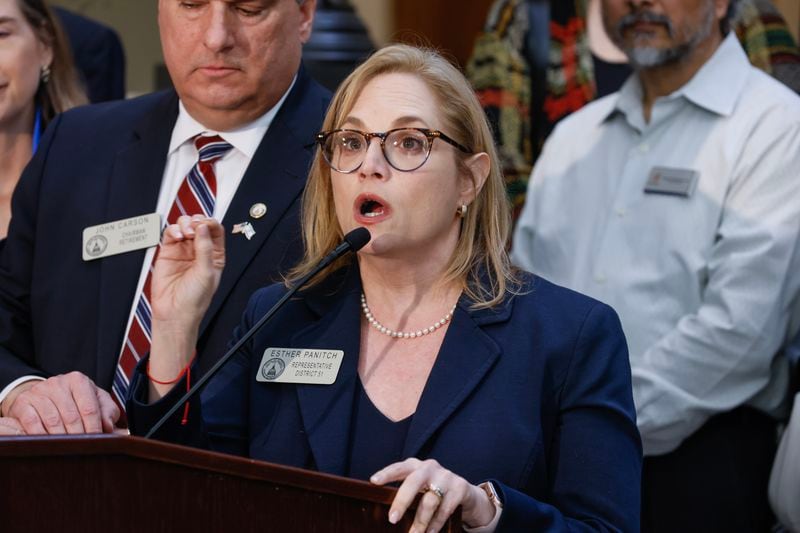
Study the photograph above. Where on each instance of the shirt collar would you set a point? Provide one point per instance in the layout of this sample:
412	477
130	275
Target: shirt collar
715	87
719	83
244	139
629	98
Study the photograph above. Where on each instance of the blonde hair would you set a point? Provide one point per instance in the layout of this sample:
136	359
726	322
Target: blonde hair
480	262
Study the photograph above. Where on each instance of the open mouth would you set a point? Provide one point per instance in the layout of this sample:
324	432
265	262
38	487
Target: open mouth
371	208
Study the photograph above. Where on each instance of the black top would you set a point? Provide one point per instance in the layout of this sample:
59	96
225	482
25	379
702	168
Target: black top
375	440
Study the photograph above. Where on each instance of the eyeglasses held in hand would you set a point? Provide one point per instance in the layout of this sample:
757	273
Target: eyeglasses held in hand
405	149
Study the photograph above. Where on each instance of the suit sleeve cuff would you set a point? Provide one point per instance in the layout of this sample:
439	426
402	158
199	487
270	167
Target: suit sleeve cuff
19	381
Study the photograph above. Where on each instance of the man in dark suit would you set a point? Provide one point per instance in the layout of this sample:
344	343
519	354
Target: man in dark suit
64	321
98	55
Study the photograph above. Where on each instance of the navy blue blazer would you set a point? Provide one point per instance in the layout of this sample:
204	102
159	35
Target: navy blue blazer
535	394
105	162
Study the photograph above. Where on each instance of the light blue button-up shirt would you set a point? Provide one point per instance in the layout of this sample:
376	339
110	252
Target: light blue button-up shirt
705	285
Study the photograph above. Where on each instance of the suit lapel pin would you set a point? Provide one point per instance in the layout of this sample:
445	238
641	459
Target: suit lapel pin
245	228
258	210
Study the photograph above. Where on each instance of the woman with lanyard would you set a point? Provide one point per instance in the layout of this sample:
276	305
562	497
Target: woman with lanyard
37	81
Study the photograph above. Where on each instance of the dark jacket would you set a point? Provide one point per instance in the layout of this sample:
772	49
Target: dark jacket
535	394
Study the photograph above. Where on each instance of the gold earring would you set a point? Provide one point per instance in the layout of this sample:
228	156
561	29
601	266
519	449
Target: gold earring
462	211
45	73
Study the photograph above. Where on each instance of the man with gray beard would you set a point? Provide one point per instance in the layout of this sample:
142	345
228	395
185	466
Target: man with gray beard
675	200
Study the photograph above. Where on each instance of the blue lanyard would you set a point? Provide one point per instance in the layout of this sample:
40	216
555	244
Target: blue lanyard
37	128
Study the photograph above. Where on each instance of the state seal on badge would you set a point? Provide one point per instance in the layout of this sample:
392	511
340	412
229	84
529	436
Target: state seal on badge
272	369
96	245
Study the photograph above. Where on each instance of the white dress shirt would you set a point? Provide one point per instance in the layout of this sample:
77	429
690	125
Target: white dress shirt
705	285
181	157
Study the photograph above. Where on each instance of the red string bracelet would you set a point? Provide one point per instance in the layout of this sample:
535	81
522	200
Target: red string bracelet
171	382
187	370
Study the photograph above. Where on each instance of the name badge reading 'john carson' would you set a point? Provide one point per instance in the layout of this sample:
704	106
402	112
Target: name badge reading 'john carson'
121	236
300	365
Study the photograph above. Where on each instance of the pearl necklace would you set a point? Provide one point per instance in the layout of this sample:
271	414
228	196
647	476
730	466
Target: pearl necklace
403	334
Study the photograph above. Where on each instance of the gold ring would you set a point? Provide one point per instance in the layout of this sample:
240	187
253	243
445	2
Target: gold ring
436	490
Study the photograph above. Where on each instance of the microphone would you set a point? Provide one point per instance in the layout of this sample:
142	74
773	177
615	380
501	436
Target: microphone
353	242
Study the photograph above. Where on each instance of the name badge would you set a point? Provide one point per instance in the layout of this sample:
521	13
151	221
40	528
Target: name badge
299	365
672	181
121	236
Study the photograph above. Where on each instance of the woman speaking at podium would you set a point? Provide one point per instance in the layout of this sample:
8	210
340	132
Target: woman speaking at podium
425	359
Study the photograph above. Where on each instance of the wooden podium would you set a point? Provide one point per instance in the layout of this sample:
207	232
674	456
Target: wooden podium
119	484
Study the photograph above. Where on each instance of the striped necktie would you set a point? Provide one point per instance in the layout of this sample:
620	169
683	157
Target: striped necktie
196	195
